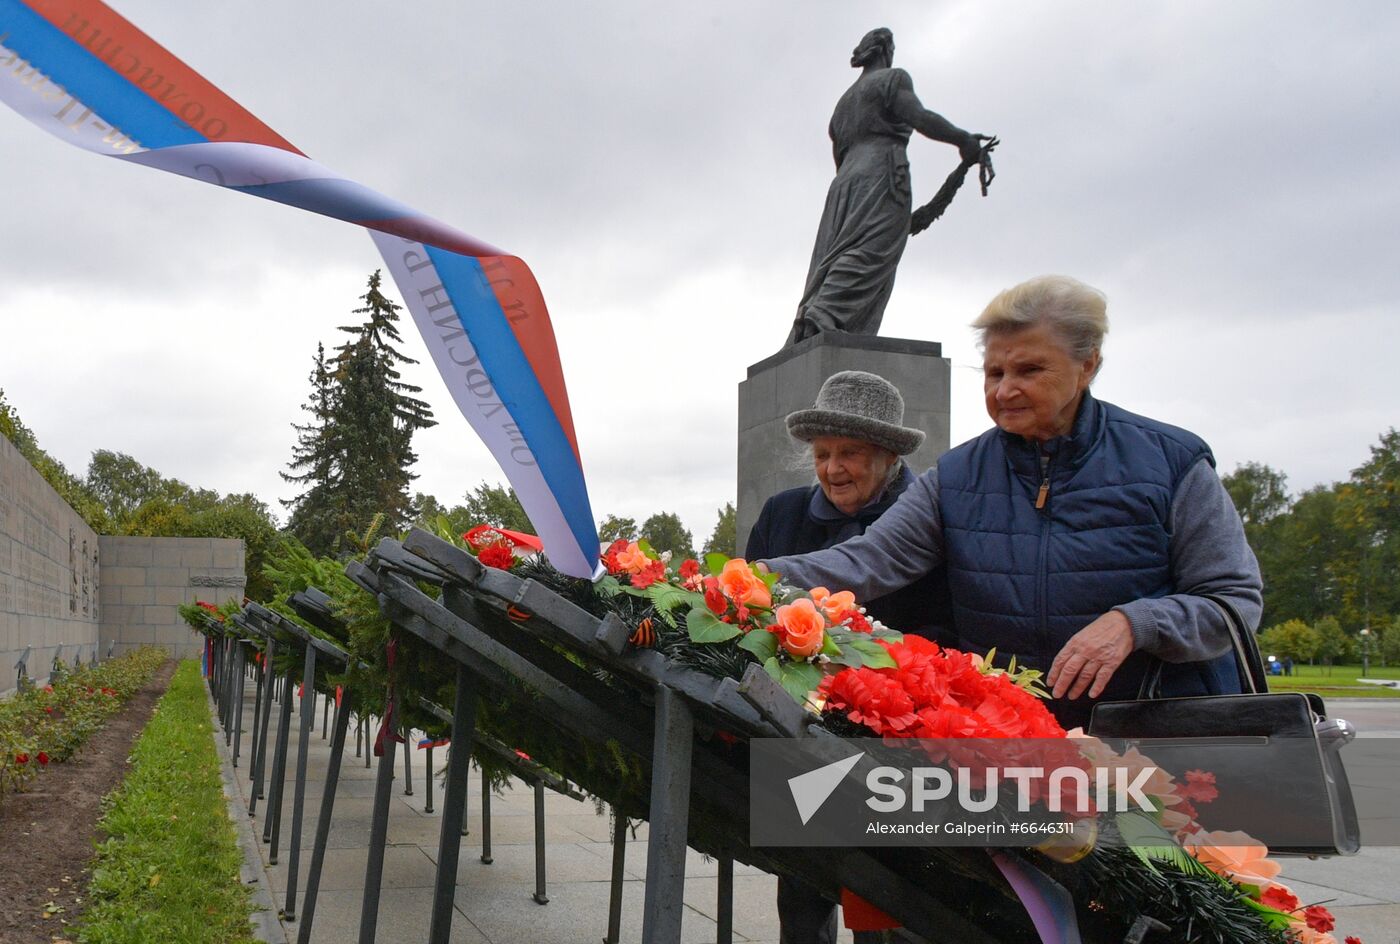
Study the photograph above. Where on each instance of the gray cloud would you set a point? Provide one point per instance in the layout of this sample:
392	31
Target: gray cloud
1225	172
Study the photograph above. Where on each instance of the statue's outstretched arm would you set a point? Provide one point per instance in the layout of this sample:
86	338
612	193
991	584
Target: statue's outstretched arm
908	109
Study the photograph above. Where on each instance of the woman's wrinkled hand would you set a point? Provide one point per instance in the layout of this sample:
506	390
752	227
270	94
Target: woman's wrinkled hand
1091	657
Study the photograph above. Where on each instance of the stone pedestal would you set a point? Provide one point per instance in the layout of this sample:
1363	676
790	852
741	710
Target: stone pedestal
770	461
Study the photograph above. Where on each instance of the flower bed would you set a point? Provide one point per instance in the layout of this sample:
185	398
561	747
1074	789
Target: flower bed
49	724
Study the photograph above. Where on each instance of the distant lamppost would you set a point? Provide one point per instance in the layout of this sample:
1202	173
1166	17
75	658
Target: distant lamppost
1366	641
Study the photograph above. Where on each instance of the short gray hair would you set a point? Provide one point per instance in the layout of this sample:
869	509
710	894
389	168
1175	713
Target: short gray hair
1077	313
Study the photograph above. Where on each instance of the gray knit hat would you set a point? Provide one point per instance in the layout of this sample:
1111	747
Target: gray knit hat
857	405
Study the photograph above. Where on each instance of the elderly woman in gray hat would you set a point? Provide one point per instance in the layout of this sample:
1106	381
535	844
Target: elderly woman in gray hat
858	443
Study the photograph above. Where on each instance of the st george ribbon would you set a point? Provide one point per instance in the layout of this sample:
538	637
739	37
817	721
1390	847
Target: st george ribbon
80	71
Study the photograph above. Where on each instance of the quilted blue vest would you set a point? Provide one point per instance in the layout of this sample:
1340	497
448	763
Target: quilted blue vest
1025	579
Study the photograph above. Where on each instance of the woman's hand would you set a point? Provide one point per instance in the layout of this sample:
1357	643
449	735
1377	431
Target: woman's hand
1091	657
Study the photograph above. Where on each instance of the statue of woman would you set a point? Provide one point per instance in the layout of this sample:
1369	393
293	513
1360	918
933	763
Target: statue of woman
866	220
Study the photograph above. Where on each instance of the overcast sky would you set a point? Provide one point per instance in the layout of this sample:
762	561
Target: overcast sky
1229	174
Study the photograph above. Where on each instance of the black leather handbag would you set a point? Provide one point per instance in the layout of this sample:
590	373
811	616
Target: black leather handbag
1275	755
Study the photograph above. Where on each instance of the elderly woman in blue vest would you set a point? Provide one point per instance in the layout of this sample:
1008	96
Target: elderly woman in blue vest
1079	537
858	441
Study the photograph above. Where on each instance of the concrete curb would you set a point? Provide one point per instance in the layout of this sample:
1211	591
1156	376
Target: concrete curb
266	926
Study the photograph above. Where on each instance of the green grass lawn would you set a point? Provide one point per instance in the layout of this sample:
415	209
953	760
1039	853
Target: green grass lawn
169	870
1338	681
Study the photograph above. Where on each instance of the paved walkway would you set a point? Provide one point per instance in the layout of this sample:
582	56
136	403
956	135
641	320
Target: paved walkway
494	902
1363	891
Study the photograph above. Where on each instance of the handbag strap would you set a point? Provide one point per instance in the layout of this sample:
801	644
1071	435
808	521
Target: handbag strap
1248	662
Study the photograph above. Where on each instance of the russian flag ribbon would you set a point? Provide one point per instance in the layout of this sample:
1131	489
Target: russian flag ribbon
1047	902
80	71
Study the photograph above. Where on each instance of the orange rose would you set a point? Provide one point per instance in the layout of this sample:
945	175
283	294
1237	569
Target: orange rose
741	585
833	604
1234	854
804	628
632	559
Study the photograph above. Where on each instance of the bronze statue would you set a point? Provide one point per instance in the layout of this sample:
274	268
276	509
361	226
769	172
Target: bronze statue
867	218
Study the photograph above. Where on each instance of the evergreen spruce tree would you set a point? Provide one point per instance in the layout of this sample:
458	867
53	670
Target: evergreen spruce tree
315	519
357	452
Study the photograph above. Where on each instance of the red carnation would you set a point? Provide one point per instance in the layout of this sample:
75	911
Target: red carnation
1187	809
48	709
871	698
649	574
1319	918
689	568
610	555
714	598
856	620
1352	939
1276	896
948	721
21	759
498	555
1199	786
43	759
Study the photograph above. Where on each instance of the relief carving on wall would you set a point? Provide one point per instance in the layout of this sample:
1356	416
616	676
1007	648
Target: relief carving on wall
73	570
87	580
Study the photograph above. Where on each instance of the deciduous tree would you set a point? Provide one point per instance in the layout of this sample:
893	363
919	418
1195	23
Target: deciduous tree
1293	639
664	532
614	528
1333	645
497	506
1260	493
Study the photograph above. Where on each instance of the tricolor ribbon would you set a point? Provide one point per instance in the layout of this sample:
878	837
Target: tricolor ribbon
1047	902
80	71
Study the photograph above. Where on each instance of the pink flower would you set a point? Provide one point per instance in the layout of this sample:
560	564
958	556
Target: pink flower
738	582
633	559
833	604
1234	854
803	628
